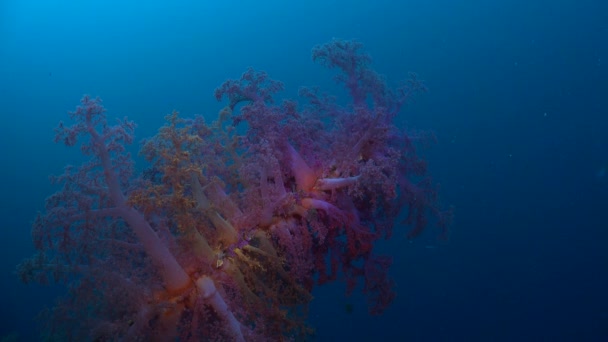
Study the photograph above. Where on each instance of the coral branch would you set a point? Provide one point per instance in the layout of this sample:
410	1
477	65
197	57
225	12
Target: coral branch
88	116
335	183
209	292
305	177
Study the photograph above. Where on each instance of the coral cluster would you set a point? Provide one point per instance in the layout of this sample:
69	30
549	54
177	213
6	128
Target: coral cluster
234	222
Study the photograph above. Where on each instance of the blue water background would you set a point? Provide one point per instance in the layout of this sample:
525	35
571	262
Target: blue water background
518	98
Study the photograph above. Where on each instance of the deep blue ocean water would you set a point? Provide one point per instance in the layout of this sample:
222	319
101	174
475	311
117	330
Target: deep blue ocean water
518	98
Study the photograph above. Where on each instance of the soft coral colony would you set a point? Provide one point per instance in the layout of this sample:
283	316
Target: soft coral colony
225	234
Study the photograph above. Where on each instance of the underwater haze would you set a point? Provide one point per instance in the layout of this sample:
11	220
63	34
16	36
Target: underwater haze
503	132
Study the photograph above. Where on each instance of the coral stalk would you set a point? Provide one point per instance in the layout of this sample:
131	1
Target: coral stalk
209	292
335	183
